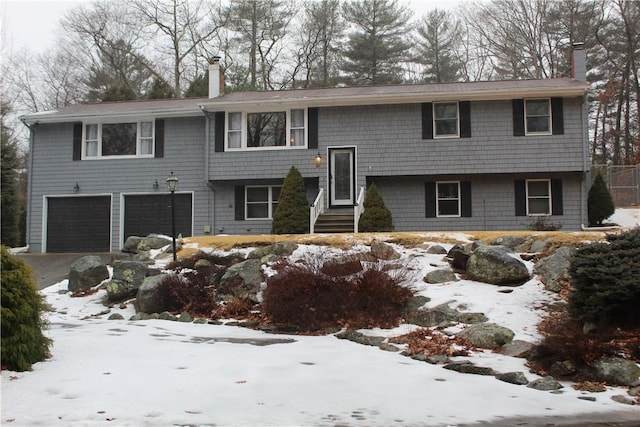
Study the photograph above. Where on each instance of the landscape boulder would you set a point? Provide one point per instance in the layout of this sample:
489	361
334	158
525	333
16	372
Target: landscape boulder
242	281
497	265
127	278
511	242
436	249
137	244
459	257
87	272
615	371
382	250
517	378
440	276
555	267
547	383
149	297
487	335
280	249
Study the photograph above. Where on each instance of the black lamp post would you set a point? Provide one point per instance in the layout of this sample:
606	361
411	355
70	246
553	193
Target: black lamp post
172	184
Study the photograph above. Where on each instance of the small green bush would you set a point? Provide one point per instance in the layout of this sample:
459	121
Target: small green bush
21	316
376	217
314	295
292	214
606	281
600	204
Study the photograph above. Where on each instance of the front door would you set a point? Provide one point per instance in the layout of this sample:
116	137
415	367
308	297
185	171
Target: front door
342	176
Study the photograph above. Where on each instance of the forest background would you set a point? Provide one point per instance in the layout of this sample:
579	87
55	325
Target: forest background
113	50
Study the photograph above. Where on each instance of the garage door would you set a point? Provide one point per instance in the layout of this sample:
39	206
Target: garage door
79	224
148	214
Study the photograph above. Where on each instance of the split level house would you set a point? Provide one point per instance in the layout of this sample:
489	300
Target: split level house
493	155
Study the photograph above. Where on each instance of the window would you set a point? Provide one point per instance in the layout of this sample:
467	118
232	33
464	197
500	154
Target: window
134	139
538	116
448	200
268	130
261	201
234	133
445	119
538	197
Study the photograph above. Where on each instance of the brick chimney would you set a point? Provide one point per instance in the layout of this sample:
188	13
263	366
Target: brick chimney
216	78
579	62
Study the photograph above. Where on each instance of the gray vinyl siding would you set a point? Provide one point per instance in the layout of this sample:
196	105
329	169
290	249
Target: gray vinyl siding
493	203
225	209
54	173
389	141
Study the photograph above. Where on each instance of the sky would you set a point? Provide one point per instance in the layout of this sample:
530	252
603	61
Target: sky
160	373
32	23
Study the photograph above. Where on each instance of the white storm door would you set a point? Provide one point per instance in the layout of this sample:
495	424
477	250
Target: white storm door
341	170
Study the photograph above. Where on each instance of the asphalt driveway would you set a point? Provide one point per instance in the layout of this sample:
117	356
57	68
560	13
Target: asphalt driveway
50	269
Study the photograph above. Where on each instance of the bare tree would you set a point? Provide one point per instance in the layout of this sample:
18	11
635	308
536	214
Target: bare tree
176	30
259	31
317	54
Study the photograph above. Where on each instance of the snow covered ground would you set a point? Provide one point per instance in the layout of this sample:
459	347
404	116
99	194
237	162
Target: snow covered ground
626	217
162	373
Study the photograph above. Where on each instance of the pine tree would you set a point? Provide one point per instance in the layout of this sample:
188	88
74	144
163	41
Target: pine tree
22	342
378	46
10	203
604	276
160	90
376	216
599	202
292	214
198	87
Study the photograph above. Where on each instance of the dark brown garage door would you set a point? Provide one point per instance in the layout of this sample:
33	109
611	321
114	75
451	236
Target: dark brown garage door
79	224
148	214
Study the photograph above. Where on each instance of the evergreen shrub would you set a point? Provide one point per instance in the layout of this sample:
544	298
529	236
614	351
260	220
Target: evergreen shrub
606	281
310	297
23	342
376	217
600	204
292	214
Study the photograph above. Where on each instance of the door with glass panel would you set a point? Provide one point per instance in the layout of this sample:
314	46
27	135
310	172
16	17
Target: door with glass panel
342	176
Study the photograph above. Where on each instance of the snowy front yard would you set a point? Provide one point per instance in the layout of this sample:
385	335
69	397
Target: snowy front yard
163	373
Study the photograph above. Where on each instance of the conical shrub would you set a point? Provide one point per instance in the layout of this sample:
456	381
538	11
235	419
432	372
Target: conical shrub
20	314
376	216
292	214
599	201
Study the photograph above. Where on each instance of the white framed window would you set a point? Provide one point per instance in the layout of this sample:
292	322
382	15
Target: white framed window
266	130
446	120
118	139
538	197
448	199
261	201
537	116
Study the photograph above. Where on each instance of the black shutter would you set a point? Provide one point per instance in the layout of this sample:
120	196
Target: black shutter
77	141
556	197
557	116
520	187
518	117
465	119
159	142
312	120
218	136
430	199
427	120
465	201
239	202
